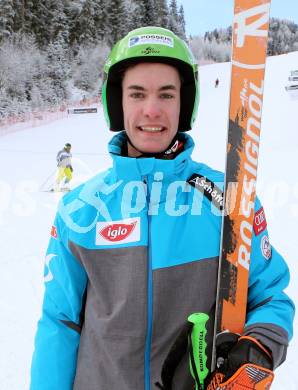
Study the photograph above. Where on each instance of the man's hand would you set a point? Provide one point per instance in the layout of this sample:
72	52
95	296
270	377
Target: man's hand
242	363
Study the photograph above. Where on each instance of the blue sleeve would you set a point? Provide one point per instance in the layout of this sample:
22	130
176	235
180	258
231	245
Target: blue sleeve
270	311
58	331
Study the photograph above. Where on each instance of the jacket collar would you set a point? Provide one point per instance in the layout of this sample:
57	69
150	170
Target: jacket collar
129	168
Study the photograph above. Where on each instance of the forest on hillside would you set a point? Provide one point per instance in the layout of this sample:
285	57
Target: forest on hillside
52	52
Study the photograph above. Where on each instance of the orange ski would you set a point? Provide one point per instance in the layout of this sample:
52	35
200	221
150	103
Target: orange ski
250	35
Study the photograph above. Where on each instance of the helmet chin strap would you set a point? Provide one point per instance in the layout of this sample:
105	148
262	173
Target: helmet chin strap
168	153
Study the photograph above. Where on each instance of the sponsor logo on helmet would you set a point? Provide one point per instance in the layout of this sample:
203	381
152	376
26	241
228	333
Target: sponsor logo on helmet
150	50
118	232
266	248
146	39
133	41
260	223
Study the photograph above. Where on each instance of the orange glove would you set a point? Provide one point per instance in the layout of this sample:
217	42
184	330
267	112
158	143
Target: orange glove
243	364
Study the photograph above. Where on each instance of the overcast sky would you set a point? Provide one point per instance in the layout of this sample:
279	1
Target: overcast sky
206	15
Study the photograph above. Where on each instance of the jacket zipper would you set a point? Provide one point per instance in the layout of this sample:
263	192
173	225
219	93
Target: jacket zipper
149	300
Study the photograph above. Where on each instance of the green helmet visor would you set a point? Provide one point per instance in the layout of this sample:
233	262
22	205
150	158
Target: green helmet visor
163	47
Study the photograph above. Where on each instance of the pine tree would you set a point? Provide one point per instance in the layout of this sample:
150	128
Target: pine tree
60	27
174	10
87	68
19	15
173	18
181	19
46	20
130	12
100	19
116	21
150	15
162	19
40	23
23	16
85	24
72	10
58	70
6	18
138	15
26	16
22	71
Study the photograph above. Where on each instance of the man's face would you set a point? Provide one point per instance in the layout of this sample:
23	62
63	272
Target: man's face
151	106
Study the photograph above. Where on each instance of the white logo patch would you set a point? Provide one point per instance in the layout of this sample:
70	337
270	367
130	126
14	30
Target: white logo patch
49	276
266	248
118	232
146	39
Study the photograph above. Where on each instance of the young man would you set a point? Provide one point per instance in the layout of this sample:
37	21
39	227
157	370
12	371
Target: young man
134	251
64	173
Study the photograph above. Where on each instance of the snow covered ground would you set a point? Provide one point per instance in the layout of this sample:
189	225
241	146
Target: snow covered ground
27	161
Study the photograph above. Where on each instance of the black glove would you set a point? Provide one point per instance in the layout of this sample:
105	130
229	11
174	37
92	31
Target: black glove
70	167
233	352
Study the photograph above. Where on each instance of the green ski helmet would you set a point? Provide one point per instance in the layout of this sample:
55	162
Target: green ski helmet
150	44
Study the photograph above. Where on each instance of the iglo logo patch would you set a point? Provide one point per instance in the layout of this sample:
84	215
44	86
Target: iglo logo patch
118	232
266	248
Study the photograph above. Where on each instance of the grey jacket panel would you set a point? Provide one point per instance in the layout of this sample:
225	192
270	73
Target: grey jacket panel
112	342
195	292
272	336
113	339
106	362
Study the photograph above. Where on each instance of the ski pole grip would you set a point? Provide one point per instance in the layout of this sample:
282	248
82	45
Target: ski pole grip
198	344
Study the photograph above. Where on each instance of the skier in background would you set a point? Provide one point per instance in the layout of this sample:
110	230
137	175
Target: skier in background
134	250
216	83
64	173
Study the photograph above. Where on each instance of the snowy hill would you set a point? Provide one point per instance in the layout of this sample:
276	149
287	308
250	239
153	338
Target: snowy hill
27	159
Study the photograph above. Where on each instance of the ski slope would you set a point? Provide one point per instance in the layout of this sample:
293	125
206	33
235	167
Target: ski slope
27	161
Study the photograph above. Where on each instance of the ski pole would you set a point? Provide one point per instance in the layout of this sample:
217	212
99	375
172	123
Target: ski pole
197	343
47	179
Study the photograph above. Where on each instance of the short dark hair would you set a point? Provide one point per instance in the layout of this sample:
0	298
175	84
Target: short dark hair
128	66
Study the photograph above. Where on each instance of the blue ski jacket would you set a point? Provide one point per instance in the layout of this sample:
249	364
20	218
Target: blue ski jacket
132	253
